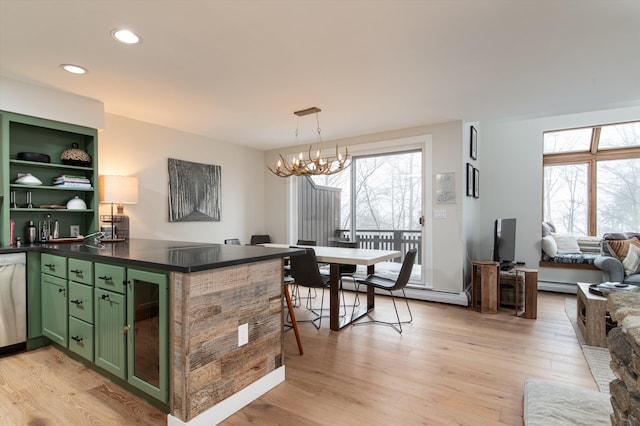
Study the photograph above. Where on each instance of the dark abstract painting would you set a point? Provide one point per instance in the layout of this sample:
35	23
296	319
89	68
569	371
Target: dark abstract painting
194	192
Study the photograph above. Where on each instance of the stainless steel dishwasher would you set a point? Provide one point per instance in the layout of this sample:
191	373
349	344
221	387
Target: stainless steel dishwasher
13	302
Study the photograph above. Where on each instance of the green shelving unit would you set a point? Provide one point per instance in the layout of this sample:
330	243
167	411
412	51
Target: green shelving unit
21	133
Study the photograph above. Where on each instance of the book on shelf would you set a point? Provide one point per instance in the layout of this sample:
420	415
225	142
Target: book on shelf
69	179
72	181
73	185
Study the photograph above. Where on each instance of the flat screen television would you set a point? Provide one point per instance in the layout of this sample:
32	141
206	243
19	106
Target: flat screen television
504	242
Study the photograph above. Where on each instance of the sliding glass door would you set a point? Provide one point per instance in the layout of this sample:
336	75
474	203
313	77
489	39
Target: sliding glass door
377	202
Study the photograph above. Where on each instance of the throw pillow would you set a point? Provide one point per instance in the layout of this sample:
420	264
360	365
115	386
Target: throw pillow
631	263
549	246
566	243
590	245
547	228
623	251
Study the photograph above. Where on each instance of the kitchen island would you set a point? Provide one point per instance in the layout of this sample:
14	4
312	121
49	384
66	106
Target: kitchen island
219	296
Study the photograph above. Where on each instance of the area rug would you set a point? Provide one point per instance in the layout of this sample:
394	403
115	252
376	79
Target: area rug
557	404
597	358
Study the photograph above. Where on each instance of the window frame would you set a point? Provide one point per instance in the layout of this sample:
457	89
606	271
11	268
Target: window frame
590	158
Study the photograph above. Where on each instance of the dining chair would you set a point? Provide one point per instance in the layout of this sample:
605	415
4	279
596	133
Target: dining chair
232	241
305	272
260	239
287	271
389	285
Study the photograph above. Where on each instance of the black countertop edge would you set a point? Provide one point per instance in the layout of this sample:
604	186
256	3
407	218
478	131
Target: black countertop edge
177	256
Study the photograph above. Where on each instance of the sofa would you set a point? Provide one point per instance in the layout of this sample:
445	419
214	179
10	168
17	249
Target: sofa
568	250
620	259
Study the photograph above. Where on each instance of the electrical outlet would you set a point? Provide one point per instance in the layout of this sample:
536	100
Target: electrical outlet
74	231
243	334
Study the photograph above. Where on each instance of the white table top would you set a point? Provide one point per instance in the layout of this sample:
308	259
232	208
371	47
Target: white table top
344	255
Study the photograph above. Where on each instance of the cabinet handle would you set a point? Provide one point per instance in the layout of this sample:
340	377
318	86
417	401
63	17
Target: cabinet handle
61	290
106	278
77	338
76	271
50	265
126	329
105	296
77	302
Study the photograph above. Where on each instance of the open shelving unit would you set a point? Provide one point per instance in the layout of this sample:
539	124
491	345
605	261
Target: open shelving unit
20	133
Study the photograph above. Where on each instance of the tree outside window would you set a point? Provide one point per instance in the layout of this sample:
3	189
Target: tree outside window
592	179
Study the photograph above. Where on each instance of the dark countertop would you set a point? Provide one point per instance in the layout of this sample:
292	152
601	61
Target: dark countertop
176	256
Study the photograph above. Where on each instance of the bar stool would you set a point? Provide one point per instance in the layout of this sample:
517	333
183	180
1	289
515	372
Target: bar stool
294	323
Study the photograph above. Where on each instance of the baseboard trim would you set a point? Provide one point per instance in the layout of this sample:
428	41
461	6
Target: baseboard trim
558	287
234	403
431	295
427	294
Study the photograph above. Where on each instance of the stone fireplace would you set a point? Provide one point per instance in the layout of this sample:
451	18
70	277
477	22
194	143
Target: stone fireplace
624	345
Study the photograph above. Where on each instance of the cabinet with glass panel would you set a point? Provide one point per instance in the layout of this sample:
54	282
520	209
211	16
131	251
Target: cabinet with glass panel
132	333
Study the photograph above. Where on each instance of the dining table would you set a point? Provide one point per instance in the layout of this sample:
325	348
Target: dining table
336	256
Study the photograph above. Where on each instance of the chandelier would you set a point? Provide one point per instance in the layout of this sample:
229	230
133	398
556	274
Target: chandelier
313	164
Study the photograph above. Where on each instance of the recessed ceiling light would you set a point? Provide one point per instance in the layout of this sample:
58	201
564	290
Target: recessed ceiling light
74	69
125	36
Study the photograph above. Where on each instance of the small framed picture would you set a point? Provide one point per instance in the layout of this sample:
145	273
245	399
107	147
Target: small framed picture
476	183
469	180
473	143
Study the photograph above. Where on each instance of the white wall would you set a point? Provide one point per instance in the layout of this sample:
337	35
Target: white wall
44	102
133	148
448	251
511	181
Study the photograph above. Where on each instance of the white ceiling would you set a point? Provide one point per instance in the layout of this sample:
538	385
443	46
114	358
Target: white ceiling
236	70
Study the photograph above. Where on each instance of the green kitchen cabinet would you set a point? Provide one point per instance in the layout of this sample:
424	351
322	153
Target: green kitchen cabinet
81	308
148	336
54	308
110	277
53	293
81	338
110	329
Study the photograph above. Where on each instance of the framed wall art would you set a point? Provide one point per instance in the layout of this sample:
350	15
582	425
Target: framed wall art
469	180
194	192
476	183
445	188
473	143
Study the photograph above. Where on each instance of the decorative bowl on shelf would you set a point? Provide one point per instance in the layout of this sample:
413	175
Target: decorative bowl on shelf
76	203
33	156
74	156
28	179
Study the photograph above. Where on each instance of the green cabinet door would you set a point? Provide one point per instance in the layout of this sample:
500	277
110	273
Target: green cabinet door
110	331
148	351
54	308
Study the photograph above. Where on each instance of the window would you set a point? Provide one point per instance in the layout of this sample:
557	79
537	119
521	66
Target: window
592	179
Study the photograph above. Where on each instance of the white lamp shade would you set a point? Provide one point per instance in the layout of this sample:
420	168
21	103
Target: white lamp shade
118	189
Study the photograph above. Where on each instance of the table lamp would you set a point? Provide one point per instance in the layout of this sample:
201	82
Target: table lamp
117	190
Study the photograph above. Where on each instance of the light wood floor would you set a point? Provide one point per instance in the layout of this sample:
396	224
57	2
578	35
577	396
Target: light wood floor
452	366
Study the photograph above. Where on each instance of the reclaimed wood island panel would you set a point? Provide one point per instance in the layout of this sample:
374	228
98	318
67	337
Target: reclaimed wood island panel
208	365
